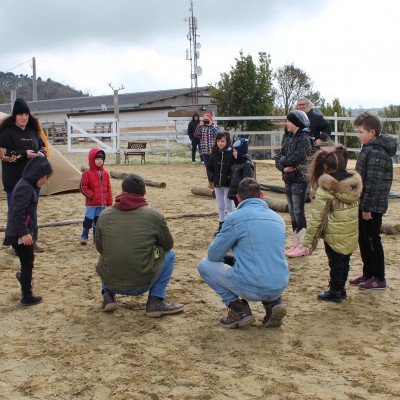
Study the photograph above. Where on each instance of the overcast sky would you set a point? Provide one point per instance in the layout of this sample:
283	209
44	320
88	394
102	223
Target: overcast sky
349	48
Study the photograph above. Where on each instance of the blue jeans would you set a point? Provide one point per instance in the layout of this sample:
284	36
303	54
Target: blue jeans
159	287
219	277
296	198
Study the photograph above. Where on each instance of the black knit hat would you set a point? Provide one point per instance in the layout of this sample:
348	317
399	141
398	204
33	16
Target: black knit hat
100	154
298	118
20	107
241	146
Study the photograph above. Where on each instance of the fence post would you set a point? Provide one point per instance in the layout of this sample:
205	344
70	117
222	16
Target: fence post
336	128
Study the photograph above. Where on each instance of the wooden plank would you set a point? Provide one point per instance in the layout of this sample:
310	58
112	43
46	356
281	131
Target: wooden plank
265	147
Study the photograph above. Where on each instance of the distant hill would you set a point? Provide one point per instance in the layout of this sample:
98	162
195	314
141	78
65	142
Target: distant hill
45	89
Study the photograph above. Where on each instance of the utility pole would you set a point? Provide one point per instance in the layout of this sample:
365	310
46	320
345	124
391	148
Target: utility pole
13	92
116	116
193	54
34	82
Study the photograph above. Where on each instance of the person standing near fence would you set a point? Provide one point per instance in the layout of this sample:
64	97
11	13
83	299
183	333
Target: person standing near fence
375	166
320	128
195	141
206	132
334	216
292	161
219	170
242	167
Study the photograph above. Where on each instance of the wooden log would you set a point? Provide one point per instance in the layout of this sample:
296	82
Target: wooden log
203	191
122	175
192	215
390	229
276	205
60	223
272	188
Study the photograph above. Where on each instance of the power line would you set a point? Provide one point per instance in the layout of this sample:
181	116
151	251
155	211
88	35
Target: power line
28	61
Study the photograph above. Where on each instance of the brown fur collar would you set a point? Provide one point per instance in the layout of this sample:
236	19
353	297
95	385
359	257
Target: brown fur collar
351	185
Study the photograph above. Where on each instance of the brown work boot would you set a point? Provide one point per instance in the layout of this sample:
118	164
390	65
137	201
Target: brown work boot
109	304
37	247
275	312
239	314
157	307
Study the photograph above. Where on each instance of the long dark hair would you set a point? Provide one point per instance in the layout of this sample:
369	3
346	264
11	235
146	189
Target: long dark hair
327	161
219	136
9	122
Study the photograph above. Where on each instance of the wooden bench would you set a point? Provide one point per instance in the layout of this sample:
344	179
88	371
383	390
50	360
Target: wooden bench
136	149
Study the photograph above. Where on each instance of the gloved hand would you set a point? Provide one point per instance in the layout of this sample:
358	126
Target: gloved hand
211	185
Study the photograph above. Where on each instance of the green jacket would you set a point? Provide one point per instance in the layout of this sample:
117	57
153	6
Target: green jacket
335	213
132	246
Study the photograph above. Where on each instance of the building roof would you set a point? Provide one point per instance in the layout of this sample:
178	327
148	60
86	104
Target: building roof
97	103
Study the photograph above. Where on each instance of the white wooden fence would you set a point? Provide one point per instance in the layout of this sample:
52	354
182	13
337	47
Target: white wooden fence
175	129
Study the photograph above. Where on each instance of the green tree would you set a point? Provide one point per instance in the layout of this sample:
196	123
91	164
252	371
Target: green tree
342	126
292	83
392	111
246	91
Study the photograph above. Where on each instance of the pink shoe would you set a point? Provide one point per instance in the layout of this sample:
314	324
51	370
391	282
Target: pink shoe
298	252
290	250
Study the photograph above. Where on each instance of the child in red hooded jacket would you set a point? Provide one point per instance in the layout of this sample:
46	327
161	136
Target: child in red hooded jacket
95	186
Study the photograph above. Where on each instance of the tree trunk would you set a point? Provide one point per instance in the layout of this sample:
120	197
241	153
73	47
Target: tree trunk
276	205
202	191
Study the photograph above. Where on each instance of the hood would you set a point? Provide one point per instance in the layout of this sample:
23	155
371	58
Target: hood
302	131
129	201
347	190
91	158
387	142
36	168
243	157
196	115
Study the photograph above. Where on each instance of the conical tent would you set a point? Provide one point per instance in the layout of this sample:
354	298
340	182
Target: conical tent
64	178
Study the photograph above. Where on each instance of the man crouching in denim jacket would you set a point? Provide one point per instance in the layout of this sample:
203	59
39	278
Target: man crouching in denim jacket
256	236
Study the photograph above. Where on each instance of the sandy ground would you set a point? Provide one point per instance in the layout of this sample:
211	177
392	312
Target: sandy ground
67	348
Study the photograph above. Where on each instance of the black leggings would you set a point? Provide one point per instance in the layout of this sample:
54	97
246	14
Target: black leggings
26	258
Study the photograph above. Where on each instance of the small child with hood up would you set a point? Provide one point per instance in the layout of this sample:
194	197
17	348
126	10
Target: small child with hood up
241	168
95	186
22	222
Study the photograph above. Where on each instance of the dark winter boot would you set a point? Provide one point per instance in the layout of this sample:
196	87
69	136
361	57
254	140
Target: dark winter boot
330	295
239	314
109	304
157	307
275	311
29	299
343	293
219	228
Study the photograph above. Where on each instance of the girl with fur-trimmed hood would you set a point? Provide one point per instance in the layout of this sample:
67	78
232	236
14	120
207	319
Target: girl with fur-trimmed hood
334	216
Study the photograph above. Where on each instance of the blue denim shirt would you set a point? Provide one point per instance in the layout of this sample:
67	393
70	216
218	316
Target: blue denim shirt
256	235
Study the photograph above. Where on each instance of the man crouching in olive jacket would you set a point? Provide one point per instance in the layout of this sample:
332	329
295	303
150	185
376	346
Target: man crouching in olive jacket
135	247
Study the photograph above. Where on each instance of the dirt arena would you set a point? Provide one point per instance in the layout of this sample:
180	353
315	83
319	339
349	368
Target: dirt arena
67	348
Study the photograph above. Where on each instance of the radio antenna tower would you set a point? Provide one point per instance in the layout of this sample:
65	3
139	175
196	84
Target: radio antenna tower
193	54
